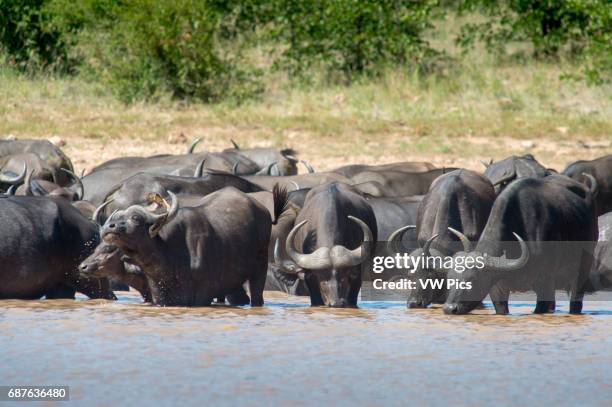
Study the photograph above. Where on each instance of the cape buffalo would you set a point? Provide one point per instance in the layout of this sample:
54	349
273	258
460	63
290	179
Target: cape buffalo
109	175
195	254
107	261
555	216
601	271
136	189
334	234
391	183
460	200
406	166
42	241
52	155
295	182
601	170
502	173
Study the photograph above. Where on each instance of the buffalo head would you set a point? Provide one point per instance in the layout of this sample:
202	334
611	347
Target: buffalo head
333	268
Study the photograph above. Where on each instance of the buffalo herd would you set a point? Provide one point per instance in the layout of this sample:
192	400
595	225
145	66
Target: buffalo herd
223	227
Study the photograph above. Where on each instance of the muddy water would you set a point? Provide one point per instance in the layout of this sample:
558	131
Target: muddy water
126	353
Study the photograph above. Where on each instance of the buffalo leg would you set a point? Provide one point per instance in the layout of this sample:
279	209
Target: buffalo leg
95	288
61	291
577	291
312	283
238	297
499	296
545	299
257	282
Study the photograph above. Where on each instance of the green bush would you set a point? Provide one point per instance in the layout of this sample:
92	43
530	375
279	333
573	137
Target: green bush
28	41
578	29
146	48
350	36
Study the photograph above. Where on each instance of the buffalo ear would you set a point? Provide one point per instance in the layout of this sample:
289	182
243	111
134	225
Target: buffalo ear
156	227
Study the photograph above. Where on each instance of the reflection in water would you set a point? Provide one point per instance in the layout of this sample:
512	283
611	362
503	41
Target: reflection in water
126	352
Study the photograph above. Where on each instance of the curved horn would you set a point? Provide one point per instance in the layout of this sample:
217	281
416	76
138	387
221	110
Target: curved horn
427	245
11	190
309	167
504	264
96	214
160	220
277	253
235	168
593	188
462	238
15	180
297	187
28	184
173	206
286	266
317	260
236	146
199	169
80	190
393	244
342	257
193	145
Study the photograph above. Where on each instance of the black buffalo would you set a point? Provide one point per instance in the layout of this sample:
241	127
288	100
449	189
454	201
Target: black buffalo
108	261
600	278
334	234
42	242
406	166
137	189
601	170
502	173
195	254
555	216
460	200
53	157
393	183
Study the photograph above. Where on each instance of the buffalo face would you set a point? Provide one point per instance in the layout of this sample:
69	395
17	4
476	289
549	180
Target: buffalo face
336	271
130	227
468	286
105	261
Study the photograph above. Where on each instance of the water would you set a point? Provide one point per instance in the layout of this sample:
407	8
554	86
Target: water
127	353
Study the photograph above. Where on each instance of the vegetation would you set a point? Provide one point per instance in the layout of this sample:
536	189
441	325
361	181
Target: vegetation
211	50
233	69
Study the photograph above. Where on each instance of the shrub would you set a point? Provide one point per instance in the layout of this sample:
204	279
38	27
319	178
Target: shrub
27	39
574	28
350	36
146	48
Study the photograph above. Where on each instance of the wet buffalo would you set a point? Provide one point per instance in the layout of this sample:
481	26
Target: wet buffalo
333	236
460	200
108	261
192	255
41	244
601	170
556	218
137	189
600	278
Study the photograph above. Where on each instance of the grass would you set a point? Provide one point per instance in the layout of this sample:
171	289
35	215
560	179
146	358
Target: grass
480	109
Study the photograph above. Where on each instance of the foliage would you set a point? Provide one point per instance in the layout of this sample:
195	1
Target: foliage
27	39
351	36
577	29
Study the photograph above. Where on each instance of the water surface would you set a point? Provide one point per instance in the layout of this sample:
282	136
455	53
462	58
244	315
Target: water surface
128	353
